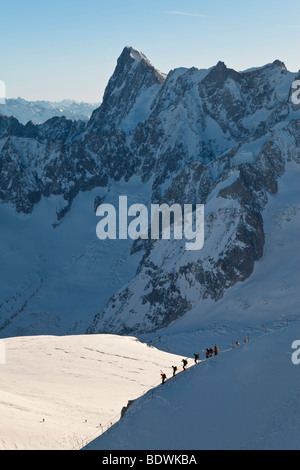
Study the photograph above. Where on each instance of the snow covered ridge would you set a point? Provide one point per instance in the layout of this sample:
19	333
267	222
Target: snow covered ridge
60	392
65	392
228	140
246	398
148	124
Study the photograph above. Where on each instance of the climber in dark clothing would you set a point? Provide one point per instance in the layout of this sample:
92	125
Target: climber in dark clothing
174	370
184	362
216	350
196	358
163	377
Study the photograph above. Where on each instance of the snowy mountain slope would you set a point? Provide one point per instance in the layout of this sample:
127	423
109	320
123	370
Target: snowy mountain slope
56	391
226	139
269	294
129	94
239	210
192	117
217	136
200	114
245	399
40	111
60	274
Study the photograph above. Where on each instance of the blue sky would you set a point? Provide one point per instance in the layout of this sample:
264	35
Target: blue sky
68	48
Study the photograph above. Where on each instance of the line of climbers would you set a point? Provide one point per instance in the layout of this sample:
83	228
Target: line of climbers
210	352
185	362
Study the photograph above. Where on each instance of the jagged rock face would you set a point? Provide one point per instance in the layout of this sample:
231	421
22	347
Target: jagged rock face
192	115
31	169
74	156
200	114
216	137
173	280
134	79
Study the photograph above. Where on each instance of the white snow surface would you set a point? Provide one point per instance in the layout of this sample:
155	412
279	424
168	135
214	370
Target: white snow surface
56	391
247	398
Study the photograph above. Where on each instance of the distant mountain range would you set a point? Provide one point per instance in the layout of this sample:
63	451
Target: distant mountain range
40	111
229	140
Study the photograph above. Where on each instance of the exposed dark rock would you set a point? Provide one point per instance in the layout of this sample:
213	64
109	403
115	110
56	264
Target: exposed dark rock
198	136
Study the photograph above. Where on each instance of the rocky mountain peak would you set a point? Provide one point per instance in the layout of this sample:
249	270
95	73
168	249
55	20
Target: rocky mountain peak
221	65
220	73
131	53
216	137
280	64
133	76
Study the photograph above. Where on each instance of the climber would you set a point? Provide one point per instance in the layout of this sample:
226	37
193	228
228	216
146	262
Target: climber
196	358
184	362
174	370
216	350
163	377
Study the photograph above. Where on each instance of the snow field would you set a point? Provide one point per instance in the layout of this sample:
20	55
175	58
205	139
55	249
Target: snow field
55	392
247	398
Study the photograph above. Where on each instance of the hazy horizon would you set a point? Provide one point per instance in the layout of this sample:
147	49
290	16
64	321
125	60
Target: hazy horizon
68	50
